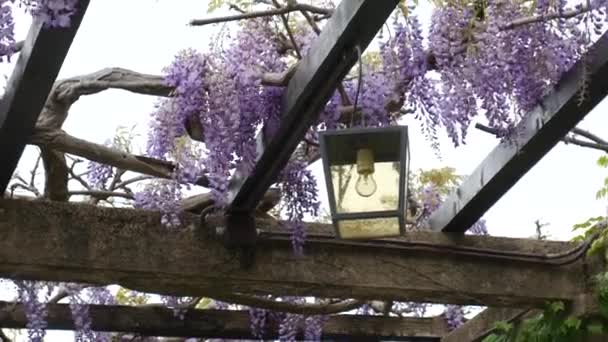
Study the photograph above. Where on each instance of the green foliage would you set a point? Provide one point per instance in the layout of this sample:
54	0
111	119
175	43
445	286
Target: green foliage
589	227
123	138
553	325
126	297
602	289
372	59
214	5
204	303
603	192
444	179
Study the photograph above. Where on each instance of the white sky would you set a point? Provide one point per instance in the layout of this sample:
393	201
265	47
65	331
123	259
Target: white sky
144	35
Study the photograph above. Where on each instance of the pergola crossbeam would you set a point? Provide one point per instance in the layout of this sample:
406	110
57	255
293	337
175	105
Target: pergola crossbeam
539	131
96	245
37	68
160	321
484	323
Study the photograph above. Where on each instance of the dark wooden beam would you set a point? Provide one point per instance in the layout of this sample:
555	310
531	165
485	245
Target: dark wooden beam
70	242
37	67
539	131
159	321
354	22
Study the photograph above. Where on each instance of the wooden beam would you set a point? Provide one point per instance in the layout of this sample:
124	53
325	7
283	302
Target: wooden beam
354	22
159	321
484	323
70	242
539	131
37	67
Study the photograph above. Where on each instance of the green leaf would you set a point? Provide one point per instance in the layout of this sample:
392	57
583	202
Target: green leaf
124	297
495	338
603	306
573	323
596	246
555	307
595	328
213	5
588	223
601	193
204	303
603	161
503	326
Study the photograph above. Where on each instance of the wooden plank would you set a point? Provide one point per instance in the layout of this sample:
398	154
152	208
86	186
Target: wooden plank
81	243
483	324
37	68
538	132
159	321
354	22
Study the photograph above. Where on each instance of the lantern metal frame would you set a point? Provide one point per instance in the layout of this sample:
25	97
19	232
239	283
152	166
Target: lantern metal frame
404	163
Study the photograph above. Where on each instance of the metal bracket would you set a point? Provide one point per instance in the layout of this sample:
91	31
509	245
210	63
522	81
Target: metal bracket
238	233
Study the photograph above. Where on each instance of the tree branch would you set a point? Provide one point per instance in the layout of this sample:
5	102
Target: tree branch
589	136
110	78
266	13
578	142
195	204
4	338
585	7
279	79
23	186
101	194
288	29
76	177
61	141
124	184
56	176
302	309
599	143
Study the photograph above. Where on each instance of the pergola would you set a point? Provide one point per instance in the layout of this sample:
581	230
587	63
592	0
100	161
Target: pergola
102	246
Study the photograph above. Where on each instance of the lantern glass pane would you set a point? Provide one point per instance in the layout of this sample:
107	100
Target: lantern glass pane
348	200
369	228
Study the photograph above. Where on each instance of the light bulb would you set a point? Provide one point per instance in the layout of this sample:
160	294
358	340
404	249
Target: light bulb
366	185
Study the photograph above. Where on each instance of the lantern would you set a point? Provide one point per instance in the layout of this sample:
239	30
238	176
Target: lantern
366	171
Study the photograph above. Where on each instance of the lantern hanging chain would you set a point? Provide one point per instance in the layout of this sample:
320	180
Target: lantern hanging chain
359	85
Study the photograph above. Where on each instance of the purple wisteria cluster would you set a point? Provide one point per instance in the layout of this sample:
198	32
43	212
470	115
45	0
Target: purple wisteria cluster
489	65
7	30
99	174
91	295
53	13
292	327
166	136
405	62
299	190
222	93
178	304
454	316
28	293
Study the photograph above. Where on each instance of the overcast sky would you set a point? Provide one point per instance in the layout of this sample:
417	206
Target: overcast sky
144	35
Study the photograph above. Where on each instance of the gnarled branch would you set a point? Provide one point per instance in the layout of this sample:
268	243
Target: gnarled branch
59	140
597	144
267	13
302	309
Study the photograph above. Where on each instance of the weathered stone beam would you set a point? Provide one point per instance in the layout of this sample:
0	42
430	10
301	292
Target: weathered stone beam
159	321
483	324
82	243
